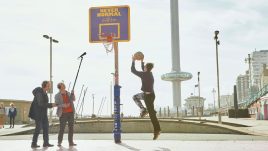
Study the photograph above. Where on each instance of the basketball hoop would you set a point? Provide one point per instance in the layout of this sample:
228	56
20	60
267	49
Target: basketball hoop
108	43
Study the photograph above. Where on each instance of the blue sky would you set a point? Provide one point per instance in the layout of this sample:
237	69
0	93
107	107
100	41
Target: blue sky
24	59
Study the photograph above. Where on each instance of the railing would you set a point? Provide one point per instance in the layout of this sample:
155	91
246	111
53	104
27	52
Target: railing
255	97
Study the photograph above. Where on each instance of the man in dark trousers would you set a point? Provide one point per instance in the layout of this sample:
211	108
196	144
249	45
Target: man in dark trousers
12	113
65	112
147	94
38	112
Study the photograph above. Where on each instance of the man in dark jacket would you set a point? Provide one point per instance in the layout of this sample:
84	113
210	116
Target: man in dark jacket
38	112
147	94
12	113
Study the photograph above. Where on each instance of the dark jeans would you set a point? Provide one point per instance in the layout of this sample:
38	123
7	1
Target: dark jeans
149	102
12	120
66	117
41	124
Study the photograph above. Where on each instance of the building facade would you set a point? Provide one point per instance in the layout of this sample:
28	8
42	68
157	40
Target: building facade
227	101
242	87
22	107
264	76
258	59
259	109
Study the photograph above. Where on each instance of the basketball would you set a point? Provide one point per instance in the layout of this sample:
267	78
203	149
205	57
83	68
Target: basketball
138	55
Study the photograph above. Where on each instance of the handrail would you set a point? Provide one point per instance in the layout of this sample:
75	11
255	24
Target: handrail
256	96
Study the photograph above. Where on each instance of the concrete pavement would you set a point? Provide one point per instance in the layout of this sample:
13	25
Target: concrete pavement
147	137
251	126
141	145
16	129
258	141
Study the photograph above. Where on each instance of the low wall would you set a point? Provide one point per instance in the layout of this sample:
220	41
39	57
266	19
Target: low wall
240	113
143	126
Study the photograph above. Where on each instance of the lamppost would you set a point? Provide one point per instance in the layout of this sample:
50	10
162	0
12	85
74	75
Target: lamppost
199	106
218	83
51	40
214	91
93	115
248	60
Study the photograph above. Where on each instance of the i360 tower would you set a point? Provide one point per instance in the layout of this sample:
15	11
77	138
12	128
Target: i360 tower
176	75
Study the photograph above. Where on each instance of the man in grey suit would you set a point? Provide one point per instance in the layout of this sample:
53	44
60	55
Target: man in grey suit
65	112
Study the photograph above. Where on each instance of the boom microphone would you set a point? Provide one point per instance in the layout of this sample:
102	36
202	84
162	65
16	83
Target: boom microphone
82	55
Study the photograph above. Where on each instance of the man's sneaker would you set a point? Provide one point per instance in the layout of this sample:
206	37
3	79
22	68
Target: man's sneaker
59	145
34	146
48	145
143	113
156	134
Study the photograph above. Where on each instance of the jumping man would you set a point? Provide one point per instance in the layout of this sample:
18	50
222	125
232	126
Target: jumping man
147	94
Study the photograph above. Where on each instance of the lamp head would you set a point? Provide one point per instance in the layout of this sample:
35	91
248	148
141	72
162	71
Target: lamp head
216	32
46	36
55	41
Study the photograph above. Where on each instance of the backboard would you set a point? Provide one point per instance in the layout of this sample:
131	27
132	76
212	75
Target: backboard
109	21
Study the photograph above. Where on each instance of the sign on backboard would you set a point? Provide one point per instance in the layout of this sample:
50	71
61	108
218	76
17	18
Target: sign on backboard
109	21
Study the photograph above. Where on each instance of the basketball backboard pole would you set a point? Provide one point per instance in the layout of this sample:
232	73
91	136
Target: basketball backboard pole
110	25
117	120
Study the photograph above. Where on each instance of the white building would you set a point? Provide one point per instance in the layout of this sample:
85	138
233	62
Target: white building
242	87
192	104
258	59
227	101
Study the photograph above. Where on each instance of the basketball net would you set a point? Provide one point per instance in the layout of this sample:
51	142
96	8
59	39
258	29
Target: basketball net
108	44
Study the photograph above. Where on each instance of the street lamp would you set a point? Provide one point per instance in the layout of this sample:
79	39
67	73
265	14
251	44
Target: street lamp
218	83
93	115
51	40
198	74
214	91
249	60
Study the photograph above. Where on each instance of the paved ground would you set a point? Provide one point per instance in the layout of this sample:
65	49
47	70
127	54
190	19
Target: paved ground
144	142
16	129
141	145
257	127
148	137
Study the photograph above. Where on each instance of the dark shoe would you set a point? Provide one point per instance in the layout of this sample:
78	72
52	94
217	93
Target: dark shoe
35	146
59	145
72	144
143	113
48	145
156	134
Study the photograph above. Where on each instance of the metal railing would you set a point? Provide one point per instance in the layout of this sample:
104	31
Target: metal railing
255	97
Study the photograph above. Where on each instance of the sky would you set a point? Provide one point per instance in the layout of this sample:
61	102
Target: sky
24	59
